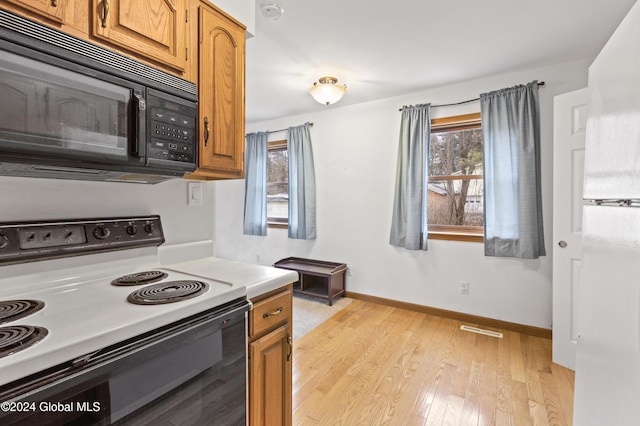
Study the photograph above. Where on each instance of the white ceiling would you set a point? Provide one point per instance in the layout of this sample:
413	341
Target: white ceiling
382	49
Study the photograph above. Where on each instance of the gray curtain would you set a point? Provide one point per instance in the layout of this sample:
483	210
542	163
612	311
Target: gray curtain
302	184
255	184
513	198
409	224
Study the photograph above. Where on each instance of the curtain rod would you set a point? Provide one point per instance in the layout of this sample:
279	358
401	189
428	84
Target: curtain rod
282	130
460	103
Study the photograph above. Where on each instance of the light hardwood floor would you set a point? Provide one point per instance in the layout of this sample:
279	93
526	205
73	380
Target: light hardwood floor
376	365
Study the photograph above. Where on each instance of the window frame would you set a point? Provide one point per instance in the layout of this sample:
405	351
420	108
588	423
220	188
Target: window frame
454	232
277	145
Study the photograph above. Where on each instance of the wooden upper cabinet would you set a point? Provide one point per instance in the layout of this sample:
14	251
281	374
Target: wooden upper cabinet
52	10
221	71
153	29
162	33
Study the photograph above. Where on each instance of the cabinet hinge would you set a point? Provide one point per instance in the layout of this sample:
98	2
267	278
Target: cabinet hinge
186	15
186	54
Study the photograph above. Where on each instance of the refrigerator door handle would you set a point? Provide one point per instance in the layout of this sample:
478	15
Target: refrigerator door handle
627	202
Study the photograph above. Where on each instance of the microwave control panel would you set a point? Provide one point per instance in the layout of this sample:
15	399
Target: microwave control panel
171	135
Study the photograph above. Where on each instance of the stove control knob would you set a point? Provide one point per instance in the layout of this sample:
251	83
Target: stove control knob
148	228
101	232
4	241
131	229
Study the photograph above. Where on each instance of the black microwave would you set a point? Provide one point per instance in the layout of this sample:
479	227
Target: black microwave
73	110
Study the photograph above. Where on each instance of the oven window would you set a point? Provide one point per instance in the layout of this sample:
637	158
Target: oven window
47	108
215	395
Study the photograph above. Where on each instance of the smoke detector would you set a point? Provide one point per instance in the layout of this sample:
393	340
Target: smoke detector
272	11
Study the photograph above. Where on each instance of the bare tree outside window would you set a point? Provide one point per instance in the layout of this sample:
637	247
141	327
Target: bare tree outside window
455	187
277	183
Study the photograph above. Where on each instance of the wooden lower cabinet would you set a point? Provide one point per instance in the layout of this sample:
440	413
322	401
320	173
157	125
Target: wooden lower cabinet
270	378
270	359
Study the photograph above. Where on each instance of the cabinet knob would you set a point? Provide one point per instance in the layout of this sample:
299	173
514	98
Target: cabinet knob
562	244
206	130
54	3
276	312
105	13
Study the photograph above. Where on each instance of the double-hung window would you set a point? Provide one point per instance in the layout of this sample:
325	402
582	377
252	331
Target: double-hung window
277	184
455	185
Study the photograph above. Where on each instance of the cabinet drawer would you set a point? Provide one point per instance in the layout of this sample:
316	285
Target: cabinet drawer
270	312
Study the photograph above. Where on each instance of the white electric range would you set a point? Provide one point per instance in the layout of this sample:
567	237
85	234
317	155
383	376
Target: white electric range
93	323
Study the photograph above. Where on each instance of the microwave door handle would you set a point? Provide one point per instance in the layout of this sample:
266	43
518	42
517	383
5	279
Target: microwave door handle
138	145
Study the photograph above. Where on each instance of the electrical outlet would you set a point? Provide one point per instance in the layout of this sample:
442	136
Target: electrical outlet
464	287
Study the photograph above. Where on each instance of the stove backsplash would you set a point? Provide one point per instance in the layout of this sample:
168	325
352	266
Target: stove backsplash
25	199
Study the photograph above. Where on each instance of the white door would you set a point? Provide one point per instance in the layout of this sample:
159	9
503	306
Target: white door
570	119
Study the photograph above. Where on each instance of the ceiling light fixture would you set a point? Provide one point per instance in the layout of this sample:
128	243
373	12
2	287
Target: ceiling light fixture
327	90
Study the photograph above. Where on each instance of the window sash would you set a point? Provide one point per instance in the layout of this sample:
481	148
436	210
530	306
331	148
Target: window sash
455	229
273	221
455	232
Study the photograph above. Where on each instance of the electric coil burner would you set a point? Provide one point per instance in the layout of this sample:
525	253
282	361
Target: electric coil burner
169	292
11	310
15	338
139	278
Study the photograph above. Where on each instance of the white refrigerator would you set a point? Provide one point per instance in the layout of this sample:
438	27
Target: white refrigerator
607	386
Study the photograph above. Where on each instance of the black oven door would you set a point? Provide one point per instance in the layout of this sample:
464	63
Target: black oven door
63	113
189	373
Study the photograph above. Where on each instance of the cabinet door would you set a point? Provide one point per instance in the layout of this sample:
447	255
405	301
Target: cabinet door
50	9
270	378
153	29
221	95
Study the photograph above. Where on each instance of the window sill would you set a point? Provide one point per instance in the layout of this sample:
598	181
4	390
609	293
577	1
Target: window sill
456	236
277	225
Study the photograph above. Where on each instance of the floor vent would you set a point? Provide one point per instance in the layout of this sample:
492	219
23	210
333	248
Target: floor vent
481	331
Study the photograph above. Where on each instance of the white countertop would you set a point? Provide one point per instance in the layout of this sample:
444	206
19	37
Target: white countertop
196	258
256	279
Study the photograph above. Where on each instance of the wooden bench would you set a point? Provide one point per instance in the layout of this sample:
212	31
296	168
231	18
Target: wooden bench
318	278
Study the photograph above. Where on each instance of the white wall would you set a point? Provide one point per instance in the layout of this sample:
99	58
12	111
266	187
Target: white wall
355	156
25	199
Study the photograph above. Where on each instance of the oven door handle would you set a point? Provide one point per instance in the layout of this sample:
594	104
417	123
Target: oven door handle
80	361
215	320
